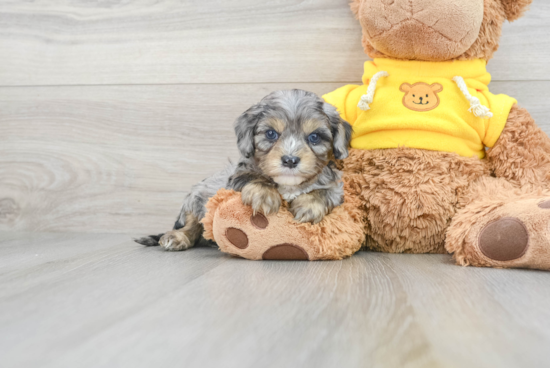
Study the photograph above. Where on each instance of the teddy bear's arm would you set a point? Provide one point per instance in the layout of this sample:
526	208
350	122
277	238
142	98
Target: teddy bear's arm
522	152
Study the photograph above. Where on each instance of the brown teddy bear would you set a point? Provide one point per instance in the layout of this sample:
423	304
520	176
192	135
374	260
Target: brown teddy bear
438	163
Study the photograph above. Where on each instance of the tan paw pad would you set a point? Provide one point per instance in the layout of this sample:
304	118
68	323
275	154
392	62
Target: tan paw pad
237	237
505	239
285	252
259	221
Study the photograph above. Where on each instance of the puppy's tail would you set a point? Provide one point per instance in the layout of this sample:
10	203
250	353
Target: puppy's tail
149	241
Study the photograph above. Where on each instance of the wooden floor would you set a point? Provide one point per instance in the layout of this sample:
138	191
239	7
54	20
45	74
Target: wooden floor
100	300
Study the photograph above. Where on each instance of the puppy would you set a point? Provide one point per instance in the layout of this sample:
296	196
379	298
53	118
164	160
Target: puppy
288	142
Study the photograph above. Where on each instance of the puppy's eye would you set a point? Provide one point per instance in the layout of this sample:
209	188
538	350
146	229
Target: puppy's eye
426	95
414	96
314	138
271	135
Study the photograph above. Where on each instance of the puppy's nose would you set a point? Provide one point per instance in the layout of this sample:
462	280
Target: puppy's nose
420	99
290	161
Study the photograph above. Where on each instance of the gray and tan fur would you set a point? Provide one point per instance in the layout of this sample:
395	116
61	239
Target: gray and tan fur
288	142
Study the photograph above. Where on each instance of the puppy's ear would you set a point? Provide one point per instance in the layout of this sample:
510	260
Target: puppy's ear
514	9
341	132
245	126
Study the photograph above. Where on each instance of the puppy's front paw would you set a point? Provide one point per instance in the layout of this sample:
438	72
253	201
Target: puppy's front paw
175	240
261	198
308	208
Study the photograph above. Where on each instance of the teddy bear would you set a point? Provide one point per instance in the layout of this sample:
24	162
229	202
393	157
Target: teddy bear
438	164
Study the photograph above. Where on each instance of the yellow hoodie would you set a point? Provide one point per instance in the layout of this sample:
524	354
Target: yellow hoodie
417	104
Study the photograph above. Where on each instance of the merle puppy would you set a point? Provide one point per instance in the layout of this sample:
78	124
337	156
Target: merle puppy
288	142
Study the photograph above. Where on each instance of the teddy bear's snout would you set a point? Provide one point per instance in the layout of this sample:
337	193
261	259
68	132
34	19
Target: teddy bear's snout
421	29
421	101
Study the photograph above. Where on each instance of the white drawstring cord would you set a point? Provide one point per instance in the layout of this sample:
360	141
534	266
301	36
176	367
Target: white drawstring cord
476	107
367	98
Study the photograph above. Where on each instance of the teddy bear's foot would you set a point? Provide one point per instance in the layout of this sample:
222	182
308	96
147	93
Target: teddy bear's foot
509	234
240	232
283	251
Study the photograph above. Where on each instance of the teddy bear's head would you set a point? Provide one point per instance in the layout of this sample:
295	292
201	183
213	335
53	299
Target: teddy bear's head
434	30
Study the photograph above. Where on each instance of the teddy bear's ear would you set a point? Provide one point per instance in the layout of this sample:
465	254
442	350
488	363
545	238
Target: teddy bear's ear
405	87
436	87
514	9
354	5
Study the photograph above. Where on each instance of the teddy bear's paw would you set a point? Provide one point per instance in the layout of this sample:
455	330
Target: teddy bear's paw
286	251
240	231
505	239
175	240
514	235
256	226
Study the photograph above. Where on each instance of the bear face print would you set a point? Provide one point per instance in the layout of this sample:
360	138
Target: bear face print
421	96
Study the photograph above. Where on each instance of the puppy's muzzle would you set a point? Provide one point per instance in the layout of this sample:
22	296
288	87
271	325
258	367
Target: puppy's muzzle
290	161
